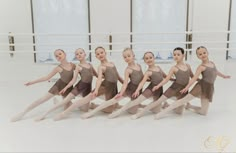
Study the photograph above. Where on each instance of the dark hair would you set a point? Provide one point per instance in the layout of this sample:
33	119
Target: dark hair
99	47
147	53
179	48
200	48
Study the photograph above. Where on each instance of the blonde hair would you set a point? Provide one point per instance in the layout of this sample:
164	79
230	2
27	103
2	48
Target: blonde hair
200	48
80	49
99	47
60	50
147	53
128	49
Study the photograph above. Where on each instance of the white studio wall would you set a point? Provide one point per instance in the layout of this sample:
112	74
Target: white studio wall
159	16
110	18
15	17
211	18
67	19
232	52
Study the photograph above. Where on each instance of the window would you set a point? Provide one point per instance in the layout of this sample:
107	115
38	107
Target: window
158	16
60	22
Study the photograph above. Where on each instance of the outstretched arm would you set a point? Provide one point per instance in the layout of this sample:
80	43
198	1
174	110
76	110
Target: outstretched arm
94	72
99	80
222	75
125	83
164	81
164	74
76	72
44	78
191	72
200	69
120	79
141	84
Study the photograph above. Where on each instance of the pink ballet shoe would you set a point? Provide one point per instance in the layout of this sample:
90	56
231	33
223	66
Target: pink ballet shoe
59	117
112	115
17	117
86	115
39	118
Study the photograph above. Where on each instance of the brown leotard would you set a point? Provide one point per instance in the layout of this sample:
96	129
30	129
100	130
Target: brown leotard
135	78
182	79
205	87
109	84
155	79
84	86
65	77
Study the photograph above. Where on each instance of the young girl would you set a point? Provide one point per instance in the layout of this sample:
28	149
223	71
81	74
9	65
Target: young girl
182	74
107	87
155	75
133	72
65	69
204	89
83	87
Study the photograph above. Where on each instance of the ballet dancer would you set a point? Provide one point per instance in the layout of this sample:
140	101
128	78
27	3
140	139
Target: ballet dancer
182	73
203	89
106	84
155	75
133	76
86	72
65	69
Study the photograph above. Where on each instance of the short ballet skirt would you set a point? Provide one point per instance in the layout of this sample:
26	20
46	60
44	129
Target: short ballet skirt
58	86
203	90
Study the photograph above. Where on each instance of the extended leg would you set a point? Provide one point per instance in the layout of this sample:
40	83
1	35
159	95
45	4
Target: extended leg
67	105
130	104
32	106
104	104
56	101
134	109
65	101
179	110
150	106
75	105
174	105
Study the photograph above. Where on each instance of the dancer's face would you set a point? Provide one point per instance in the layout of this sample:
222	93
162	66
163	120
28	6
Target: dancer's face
149	59
59	55
128	56
100	54
80	54
202	54
178	56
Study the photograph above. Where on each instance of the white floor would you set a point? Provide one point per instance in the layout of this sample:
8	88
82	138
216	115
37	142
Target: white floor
188	133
